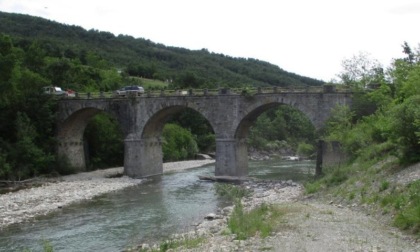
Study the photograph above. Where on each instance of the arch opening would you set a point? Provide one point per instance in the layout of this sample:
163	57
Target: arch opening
103	142
277	129
84	133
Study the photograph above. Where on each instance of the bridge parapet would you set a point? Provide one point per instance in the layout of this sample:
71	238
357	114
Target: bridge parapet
214	92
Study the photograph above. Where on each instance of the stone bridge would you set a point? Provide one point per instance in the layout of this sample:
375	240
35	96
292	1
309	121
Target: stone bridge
142	119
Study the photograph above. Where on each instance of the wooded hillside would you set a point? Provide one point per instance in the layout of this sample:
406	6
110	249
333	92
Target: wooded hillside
144	58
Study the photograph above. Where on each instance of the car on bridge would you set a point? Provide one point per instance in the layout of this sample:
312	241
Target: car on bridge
129	90
58	91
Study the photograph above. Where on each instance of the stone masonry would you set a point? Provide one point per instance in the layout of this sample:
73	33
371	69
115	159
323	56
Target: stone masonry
142	120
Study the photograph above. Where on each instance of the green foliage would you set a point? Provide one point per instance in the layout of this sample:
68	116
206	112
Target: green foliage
390	126
29	158
5	167
105	142
243	224
384	185
231	192
361	71
313	187
185	243
142	58
406	203
199	127
282	128
178	143
405	128
47	247
261	220
305	150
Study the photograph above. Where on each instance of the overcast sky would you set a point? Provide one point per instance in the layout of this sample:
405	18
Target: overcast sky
307	37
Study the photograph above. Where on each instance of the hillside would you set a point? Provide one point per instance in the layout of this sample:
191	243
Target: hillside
144	58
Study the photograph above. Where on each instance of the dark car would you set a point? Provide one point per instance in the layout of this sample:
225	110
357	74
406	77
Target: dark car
129	90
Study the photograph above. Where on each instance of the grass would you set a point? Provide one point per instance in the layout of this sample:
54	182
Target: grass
261	220
153	84
169	245
407	205
185	243
231	192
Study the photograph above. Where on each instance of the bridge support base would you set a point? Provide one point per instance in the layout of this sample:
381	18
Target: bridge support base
143	157
71	154
231	157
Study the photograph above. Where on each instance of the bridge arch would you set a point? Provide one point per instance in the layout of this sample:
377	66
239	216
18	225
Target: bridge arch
70	135
245	122
143	148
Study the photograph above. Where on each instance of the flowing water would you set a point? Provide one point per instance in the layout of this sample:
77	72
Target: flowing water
148	212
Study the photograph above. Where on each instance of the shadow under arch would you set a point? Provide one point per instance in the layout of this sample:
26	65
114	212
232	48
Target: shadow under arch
143	156
243	130
71	151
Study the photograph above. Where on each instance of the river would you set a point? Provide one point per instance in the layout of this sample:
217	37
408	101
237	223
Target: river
148	212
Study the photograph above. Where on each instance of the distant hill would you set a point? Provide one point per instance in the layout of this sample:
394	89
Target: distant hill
143	58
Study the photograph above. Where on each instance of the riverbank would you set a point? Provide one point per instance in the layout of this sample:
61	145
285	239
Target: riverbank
52	195
307	225
310	223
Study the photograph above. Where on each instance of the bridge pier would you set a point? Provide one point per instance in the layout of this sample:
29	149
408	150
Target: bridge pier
71	153
231	157
143	157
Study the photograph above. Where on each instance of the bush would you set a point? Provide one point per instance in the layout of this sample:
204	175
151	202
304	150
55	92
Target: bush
305	149
178	143
406	129
231	192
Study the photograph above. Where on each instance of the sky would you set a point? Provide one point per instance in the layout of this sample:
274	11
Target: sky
306	37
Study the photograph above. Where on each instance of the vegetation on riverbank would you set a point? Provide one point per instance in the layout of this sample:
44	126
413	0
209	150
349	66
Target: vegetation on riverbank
243	223
380	134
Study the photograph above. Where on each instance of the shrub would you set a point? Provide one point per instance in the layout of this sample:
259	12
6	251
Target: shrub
178	143
231	192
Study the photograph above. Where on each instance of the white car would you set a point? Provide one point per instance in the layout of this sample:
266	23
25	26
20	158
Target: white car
58	91
134	90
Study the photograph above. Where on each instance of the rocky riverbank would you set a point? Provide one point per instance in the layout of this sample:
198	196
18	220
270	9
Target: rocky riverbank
308	225
24	205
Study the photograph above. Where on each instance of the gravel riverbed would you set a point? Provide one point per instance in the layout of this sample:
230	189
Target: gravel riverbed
25	204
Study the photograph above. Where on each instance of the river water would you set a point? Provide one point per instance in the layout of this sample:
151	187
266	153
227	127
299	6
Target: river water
148	212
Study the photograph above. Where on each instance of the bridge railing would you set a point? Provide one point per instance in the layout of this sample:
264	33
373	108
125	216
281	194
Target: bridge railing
213	92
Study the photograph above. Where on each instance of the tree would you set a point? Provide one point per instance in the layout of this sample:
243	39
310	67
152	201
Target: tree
406	128
178	143
280	127
360	71
29	158
105	142
199	127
